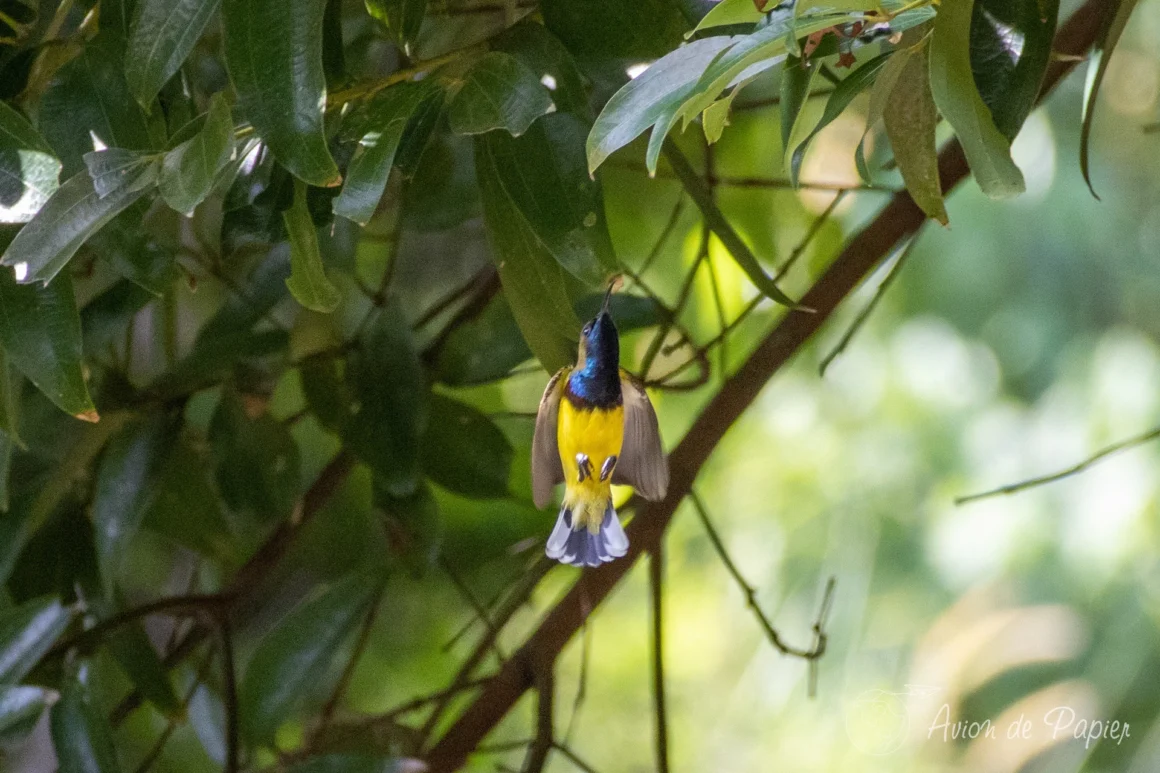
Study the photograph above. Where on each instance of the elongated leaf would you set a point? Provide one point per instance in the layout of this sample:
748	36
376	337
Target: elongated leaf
388	382
402	18
81	734
603	29
296	654
911	119
274	55
542	173
188	509
307	283
730	12
656	92
796	79
953	85
117	169
161	36
134	653
1010	49
89	99
20	709
499	92
544	54
840	98
464	452
26	633
7	448
28	168
190	170
126	488
1097	69
416	523
532	279
41	332
74	213
370	168
256	461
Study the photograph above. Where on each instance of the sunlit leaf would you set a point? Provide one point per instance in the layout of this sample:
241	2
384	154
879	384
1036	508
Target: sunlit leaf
81	734
191	169
953	85
402	18
796	79
26	633
28	168
20	710
307	283
911	119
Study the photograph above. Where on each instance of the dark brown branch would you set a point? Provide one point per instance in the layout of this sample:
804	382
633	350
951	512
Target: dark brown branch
230	674
656	577
545	740
898	220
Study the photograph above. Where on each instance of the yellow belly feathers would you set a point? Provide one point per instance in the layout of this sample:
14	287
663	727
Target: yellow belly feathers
599	434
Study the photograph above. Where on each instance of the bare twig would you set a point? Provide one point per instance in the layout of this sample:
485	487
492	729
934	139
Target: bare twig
159	746
663	237
191	605
750	593
864	314
545	731
231	693
581	682
476	605
657	591
574	758
1075	469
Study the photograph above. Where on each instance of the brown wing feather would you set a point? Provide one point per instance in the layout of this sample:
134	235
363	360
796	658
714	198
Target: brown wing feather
546	468
642	462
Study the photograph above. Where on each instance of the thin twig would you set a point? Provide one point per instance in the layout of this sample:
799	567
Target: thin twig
230	675
819	647
476	605
682	298
663	237
426	700
1075	469
575	759
581	682
864	314
657	591
159	746
191	605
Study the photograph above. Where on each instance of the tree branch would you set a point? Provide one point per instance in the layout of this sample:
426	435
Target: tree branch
899	219
656	575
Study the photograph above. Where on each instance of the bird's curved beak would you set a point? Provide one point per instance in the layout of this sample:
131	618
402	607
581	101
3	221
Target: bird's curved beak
607	298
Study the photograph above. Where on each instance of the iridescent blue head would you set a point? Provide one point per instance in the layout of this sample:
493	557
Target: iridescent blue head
596	379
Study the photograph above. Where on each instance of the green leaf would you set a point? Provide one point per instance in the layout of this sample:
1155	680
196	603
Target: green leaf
19	17
464	452
187	509
387	380
126	488
325	392
256	460
7	448
911	119
74	213
9	402
307	283
840	98
544	54
370	168
162	34
796	79
730	12
498	92
603	29
1110	34
191	169
134	653
274	54
533	280
117	169
20	710
291	660
26	633
656	92
542	174
28	169
89	99
81	734
402	18
489	346
1010	50
953	86
350	763
41	332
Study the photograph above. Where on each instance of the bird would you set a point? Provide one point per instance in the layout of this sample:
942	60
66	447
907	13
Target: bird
595	426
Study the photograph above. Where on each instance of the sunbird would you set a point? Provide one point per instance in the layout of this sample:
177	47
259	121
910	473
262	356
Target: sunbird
595	426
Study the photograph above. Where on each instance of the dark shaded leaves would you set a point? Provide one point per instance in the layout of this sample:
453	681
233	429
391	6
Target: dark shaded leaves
498	92
190	170
162	34
80	733
464	452
307	283
26	633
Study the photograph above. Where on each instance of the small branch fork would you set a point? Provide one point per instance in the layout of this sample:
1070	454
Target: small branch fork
818	648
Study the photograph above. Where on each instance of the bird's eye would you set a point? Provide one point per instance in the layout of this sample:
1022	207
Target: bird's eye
587	328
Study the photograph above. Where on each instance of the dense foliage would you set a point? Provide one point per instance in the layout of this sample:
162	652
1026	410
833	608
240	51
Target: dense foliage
275	272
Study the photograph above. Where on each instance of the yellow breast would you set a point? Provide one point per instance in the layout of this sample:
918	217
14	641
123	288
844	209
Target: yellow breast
597	433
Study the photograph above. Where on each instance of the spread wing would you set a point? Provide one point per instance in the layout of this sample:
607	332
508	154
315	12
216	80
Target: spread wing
642	462
546	468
